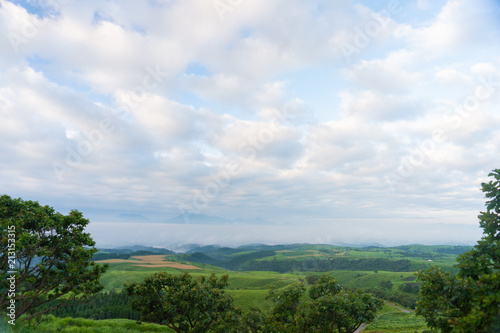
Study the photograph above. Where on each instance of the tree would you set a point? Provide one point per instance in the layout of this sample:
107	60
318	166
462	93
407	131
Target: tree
328	308
470	300
444	298
386	285
289	313
312	279
44	256
183	303
334	307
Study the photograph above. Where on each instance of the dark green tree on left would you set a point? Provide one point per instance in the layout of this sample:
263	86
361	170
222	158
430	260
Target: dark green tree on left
52	257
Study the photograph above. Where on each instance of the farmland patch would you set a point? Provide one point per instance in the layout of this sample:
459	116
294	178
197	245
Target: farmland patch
153	261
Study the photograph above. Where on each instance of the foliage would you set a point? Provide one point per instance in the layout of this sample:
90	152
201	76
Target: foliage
443	298
288	313
312	279
234	262
184	304
47	250
107	256
326	308
321	258
254	321
110	305
335	307
469	301
397	322
114	254
51	324
412	288
454	250
324	265
405	299
387	285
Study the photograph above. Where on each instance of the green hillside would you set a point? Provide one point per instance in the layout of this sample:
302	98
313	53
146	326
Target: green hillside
387	272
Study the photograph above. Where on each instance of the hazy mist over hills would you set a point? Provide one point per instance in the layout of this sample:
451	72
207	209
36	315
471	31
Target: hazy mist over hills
360	233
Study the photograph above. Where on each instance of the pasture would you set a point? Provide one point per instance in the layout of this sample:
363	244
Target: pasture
249	288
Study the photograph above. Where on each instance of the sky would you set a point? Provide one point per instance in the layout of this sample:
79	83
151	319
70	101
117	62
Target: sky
290	121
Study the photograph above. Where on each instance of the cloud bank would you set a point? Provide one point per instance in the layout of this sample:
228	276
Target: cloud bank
301	113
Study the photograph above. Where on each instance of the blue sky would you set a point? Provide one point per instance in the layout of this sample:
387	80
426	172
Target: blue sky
344	118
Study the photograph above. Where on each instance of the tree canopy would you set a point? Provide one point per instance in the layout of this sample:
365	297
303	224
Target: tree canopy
183	303
47	255
328	307
470	300
186	304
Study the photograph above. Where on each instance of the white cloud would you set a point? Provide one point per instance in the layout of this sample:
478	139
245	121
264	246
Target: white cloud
389	74
169	121
374	105
448	34
483	68
452	75
174	129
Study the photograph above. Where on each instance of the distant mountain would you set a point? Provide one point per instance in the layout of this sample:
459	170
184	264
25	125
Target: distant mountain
128	251
363	245
197	248
203	249
132	217
257	220
135	248
188	218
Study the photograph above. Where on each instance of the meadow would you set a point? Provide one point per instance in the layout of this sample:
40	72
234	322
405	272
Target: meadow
249	288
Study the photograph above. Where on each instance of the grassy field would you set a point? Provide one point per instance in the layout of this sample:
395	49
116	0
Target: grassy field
392	319
50	324
128	271
249	288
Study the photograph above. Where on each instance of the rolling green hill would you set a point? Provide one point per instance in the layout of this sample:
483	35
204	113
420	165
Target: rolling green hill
387	272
